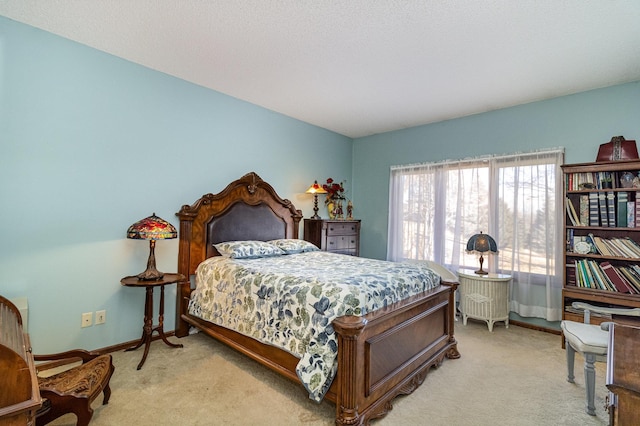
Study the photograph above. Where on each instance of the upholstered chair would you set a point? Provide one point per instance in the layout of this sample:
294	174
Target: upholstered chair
592	342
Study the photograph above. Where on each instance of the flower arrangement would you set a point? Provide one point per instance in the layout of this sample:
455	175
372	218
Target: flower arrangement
335	191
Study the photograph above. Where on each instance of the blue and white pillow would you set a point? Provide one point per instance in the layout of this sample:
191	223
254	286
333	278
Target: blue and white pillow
292	246
248	249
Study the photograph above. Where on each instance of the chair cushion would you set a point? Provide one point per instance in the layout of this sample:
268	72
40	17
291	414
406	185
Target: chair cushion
588	338
83	380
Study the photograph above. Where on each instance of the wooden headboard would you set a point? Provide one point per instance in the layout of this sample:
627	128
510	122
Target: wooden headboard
247	209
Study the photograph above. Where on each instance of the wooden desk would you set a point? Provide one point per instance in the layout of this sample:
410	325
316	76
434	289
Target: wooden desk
623	374
148	329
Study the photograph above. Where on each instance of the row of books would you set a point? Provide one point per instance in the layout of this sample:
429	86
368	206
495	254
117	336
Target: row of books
623	247
606	208
605	276
596	180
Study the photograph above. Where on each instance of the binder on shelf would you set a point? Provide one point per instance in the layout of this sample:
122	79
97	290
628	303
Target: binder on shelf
594	212
621	214
602	206
611	209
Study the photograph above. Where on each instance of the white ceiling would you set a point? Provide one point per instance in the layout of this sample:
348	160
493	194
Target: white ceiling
361	67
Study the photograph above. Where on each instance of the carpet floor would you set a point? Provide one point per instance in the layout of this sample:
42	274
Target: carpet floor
513	376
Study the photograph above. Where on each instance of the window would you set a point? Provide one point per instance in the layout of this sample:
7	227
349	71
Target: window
517	199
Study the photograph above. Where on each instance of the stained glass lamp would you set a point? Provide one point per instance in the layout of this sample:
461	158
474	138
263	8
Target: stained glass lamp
151	228
481	243
315	189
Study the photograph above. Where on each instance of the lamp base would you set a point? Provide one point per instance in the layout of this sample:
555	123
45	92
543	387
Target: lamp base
151	273
481	271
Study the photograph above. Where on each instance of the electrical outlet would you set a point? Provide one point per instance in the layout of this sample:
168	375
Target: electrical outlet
87	319
101	317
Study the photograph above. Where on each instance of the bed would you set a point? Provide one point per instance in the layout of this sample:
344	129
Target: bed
382	354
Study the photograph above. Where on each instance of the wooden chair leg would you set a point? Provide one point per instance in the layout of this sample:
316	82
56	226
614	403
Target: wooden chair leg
590	382
84	417
571	356
107	394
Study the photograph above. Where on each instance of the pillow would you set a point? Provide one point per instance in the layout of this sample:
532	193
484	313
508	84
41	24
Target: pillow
247	249
292	246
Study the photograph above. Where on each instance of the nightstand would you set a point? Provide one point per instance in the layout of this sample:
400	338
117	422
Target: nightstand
484	297
336	236
148	328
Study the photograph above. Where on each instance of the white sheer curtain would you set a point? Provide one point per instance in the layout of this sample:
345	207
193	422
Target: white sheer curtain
517	199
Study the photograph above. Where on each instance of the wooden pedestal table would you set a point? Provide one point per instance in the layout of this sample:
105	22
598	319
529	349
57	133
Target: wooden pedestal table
148	328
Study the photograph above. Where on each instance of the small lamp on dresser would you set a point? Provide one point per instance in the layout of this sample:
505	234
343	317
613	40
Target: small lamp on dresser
481	243
151	228
315	189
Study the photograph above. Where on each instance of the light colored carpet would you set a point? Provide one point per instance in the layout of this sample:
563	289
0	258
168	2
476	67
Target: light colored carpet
512	376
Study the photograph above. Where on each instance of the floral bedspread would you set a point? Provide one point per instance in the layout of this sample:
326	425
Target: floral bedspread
290	301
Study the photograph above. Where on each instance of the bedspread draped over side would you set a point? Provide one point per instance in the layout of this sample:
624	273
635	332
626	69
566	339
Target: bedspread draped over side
290	301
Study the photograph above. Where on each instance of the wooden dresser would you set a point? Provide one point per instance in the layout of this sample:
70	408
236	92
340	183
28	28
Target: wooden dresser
19	393
336	236
623	374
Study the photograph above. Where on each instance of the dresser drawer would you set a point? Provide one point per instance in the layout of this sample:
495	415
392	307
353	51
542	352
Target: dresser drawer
336	236
341	229
341	242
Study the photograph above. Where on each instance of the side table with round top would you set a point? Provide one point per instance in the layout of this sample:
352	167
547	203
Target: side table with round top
484	297
148	328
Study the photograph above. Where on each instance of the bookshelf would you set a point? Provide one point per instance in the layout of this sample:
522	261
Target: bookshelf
602	231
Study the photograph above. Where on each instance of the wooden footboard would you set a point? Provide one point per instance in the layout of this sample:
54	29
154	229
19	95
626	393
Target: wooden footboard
389	352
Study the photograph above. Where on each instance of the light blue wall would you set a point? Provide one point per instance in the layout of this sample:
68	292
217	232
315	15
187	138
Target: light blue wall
580	123
89	144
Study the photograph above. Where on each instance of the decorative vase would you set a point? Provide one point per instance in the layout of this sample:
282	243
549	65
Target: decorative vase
626	180
331	210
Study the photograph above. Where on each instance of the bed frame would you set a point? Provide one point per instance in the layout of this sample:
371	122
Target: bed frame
383	354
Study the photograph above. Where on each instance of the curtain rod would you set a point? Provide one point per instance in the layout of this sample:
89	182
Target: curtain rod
480	158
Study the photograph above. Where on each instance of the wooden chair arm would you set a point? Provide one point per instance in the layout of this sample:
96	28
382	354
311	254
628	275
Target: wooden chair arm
64	358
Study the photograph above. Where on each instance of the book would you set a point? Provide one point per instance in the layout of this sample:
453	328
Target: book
602	207
627	247
635	247
594	212
571	274
611	209
600	246
587	278
637	209
615	278
631	214
632	277
598	277
621	213
583	210
571	212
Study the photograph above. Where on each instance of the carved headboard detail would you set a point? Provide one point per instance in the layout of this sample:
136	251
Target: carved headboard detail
247	209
